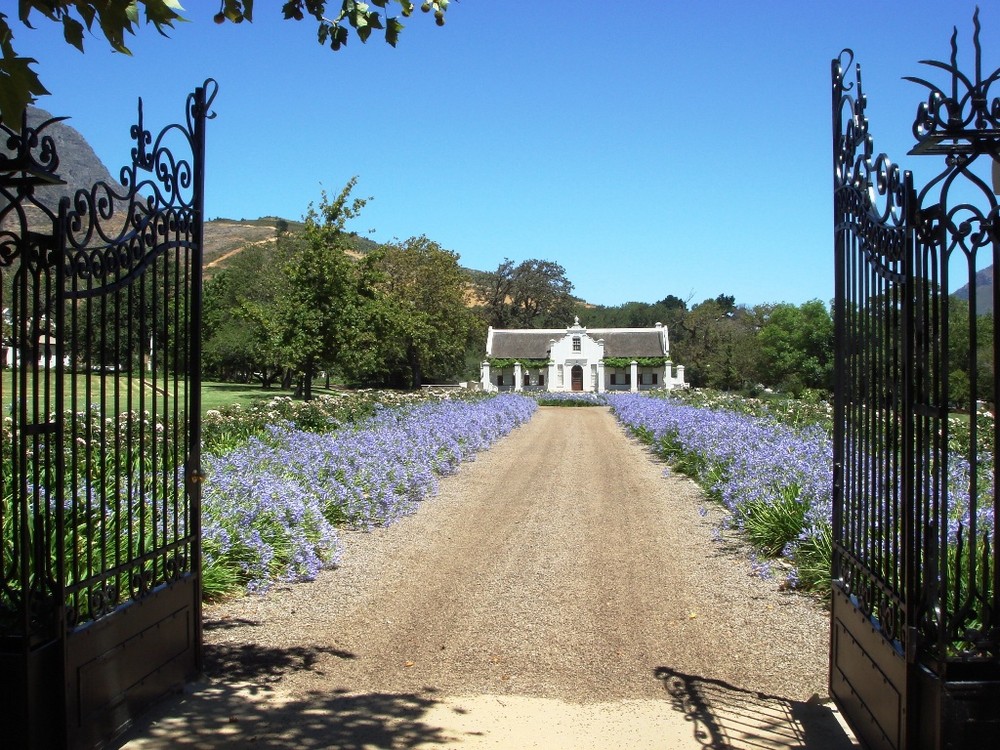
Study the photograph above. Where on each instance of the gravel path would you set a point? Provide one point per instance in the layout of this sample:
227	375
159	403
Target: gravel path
560	565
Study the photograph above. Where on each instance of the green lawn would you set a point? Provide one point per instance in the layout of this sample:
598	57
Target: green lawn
216	395
119	392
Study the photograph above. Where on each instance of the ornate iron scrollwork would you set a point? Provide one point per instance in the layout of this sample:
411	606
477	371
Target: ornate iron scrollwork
963	120
878	181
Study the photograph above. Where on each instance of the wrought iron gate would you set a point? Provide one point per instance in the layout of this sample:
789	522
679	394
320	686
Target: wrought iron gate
915	637
100	450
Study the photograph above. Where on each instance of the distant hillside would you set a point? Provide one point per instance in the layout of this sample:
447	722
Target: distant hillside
984	291
79	166
225	238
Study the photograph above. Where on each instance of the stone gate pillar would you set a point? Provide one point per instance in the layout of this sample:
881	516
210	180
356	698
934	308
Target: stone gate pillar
484	376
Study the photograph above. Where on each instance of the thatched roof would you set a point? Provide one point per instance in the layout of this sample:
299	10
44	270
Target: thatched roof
618	342
523	344
630	343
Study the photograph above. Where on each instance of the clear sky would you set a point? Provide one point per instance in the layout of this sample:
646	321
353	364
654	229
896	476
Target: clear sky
651	148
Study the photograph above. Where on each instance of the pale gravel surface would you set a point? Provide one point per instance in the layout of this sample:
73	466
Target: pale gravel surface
561	564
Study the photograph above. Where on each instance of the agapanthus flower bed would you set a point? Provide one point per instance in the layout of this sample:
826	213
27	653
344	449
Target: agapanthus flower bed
272	506
774	480
224	429
569	398
794	412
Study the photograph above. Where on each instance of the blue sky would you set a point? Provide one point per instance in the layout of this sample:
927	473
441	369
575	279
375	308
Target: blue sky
650	148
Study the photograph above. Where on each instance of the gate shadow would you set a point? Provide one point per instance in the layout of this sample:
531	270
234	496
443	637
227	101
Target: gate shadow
237	706
726	717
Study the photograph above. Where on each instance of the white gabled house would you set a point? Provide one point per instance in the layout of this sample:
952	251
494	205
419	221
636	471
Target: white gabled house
579	359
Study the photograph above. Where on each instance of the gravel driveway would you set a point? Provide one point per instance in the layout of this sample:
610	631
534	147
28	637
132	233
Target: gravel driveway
560	591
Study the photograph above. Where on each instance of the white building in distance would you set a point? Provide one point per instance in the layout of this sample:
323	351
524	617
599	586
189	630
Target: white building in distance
576	358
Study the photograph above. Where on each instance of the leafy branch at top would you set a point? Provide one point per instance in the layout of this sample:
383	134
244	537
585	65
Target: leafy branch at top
21	86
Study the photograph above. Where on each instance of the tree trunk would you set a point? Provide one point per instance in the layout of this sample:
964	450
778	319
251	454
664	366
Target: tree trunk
415	374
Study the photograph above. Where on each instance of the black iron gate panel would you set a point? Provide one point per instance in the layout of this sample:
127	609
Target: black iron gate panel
100	581
915	635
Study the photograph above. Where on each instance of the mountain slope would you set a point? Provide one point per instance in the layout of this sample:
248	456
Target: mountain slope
984	291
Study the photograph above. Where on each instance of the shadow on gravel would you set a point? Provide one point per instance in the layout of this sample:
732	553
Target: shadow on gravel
725	717
240	662
225	716
238	706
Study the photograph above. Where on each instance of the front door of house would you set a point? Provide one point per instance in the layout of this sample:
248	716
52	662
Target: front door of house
576	378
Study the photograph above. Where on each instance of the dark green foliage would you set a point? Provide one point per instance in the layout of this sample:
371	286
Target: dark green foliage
424	324
533	294
624	362
772	525
501	363
728	346
795	346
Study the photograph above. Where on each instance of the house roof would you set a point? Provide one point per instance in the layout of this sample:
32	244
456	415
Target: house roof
630	343
526	344
618	342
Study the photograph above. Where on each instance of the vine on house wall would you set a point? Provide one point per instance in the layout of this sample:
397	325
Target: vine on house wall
626	362
501	363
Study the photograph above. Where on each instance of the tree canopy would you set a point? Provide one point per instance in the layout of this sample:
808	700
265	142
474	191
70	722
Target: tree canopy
306	305
533	294
731	346
422	292
115	19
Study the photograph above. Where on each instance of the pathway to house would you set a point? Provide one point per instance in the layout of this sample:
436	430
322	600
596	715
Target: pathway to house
559	592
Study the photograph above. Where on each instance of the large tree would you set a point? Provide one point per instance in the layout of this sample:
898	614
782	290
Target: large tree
715	342
241	312
321	320
114	19
795	346
532	294
422	290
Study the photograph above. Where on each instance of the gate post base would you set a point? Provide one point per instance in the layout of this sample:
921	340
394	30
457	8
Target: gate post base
957	714
31	702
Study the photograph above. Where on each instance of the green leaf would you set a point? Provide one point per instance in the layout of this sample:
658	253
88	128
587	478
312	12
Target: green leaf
115	20
5	38
292	9
19	85
73	32
392	29
87	13
160	13
340	35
